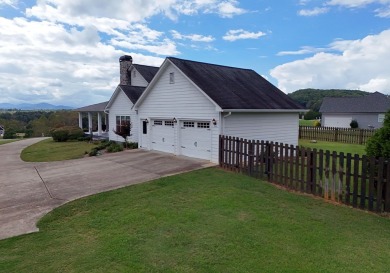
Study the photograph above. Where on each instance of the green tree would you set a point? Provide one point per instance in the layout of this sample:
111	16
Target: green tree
379	144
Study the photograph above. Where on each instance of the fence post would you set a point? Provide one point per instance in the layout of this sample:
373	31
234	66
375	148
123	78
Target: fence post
336	134
220	150
361	137
250	157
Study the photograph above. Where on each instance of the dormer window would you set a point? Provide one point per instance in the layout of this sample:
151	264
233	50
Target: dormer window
171	78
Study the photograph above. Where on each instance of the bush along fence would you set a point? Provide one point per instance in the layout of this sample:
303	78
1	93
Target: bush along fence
344	135
349	179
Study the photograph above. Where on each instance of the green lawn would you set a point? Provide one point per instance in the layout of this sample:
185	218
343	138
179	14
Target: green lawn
304	122
5	141
204	221
334	146
49	150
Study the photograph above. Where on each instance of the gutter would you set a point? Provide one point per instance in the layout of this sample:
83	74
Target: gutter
265	110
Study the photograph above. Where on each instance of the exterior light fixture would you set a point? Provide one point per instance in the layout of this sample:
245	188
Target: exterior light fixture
146	120
214	121
174	120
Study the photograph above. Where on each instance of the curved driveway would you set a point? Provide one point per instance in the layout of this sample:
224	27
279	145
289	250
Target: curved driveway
30	190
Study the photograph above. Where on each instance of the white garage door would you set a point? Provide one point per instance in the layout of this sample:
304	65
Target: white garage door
195	137
340	122
163	136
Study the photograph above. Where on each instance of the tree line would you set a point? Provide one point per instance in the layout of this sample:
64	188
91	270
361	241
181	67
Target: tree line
312	98
35	123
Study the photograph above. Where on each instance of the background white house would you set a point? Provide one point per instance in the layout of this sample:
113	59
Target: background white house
369	111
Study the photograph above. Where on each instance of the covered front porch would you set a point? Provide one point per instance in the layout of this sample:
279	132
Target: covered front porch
97	123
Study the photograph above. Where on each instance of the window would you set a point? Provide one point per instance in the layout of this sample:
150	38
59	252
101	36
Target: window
381	118
134	73
189	124
171	77
168	123
204	125
123	123
157	122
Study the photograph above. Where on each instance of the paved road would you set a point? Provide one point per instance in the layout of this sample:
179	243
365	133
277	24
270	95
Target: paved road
30	190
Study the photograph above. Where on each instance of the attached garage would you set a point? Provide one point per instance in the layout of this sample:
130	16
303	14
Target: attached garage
195	139
163	135
337	121
189	104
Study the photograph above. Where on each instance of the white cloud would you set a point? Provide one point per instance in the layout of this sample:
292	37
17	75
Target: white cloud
356	3
302	51
229	9
313	12
192	37
358	65
239	34
383	11
42	61
12	3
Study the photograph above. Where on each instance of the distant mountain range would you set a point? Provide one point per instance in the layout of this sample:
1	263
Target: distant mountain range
37	106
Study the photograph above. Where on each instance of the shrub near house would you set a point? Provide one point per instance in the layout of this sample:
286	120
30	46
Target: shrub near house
66	133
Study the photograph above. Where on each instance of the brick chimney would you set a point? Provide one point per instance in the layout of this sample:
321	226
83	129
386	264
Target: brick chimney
125	62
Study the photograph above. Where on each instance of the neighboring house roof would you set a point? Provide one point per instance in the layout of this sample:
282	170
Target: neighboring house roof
98	107
132	92
372	103
235	88
148	72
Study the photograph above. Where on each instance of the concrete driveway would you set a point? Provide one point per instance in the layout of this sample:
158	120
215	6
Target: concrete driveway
30	190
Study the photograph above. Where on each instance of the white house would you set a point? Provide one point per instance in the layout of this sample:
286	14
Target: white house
188	104
133	80
368	111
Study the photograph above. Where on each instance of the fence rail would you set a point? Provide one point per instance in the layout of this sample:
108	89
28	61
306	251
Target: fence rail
344	135
348	179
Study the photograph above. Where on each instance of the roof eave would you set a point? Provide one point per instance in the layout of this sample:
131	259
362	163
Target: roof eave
266	110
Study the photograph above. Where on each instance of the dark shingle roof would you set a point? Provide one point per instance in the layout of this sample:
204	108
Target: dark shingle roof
98	107
235	88
372	103
146	71
132	92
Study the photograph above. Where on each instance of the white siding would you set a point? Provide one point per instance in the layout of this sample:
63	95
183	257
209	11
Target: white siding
180	100
137	79
121	106
336	120
276	127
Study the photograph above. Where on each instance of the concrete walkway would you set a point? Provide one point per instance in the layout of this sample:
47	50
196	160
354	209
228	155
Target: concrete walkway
30	190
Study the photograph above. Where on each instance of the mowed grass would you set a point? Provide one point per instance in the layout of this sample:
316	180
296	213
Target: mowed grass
304	122
204	221
49	150
5	141
334	146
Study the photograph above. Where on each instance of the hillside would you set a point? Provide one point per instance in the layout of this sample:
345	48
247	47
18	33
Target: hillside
312	98
38	106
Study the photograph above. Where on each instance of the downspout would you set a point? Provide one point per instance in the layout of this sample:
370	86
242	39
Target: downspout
223	126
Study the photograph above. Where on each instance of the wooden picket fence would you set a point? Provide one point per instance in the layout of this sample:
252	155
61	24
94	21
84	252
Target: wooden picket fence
354	180
344	135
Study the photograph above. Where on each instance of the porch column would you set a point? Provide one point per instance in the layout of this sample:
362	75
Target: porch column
99	123
81	120
90	123
106	121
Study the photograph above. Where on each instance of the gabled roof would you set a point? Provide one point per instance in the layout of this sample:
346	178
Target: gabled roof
148	72
132	92
372	103
98	107
235	88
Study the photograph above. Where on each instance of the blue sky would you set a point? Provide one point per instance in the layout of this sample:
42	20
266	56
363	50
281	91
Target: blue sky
66	52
